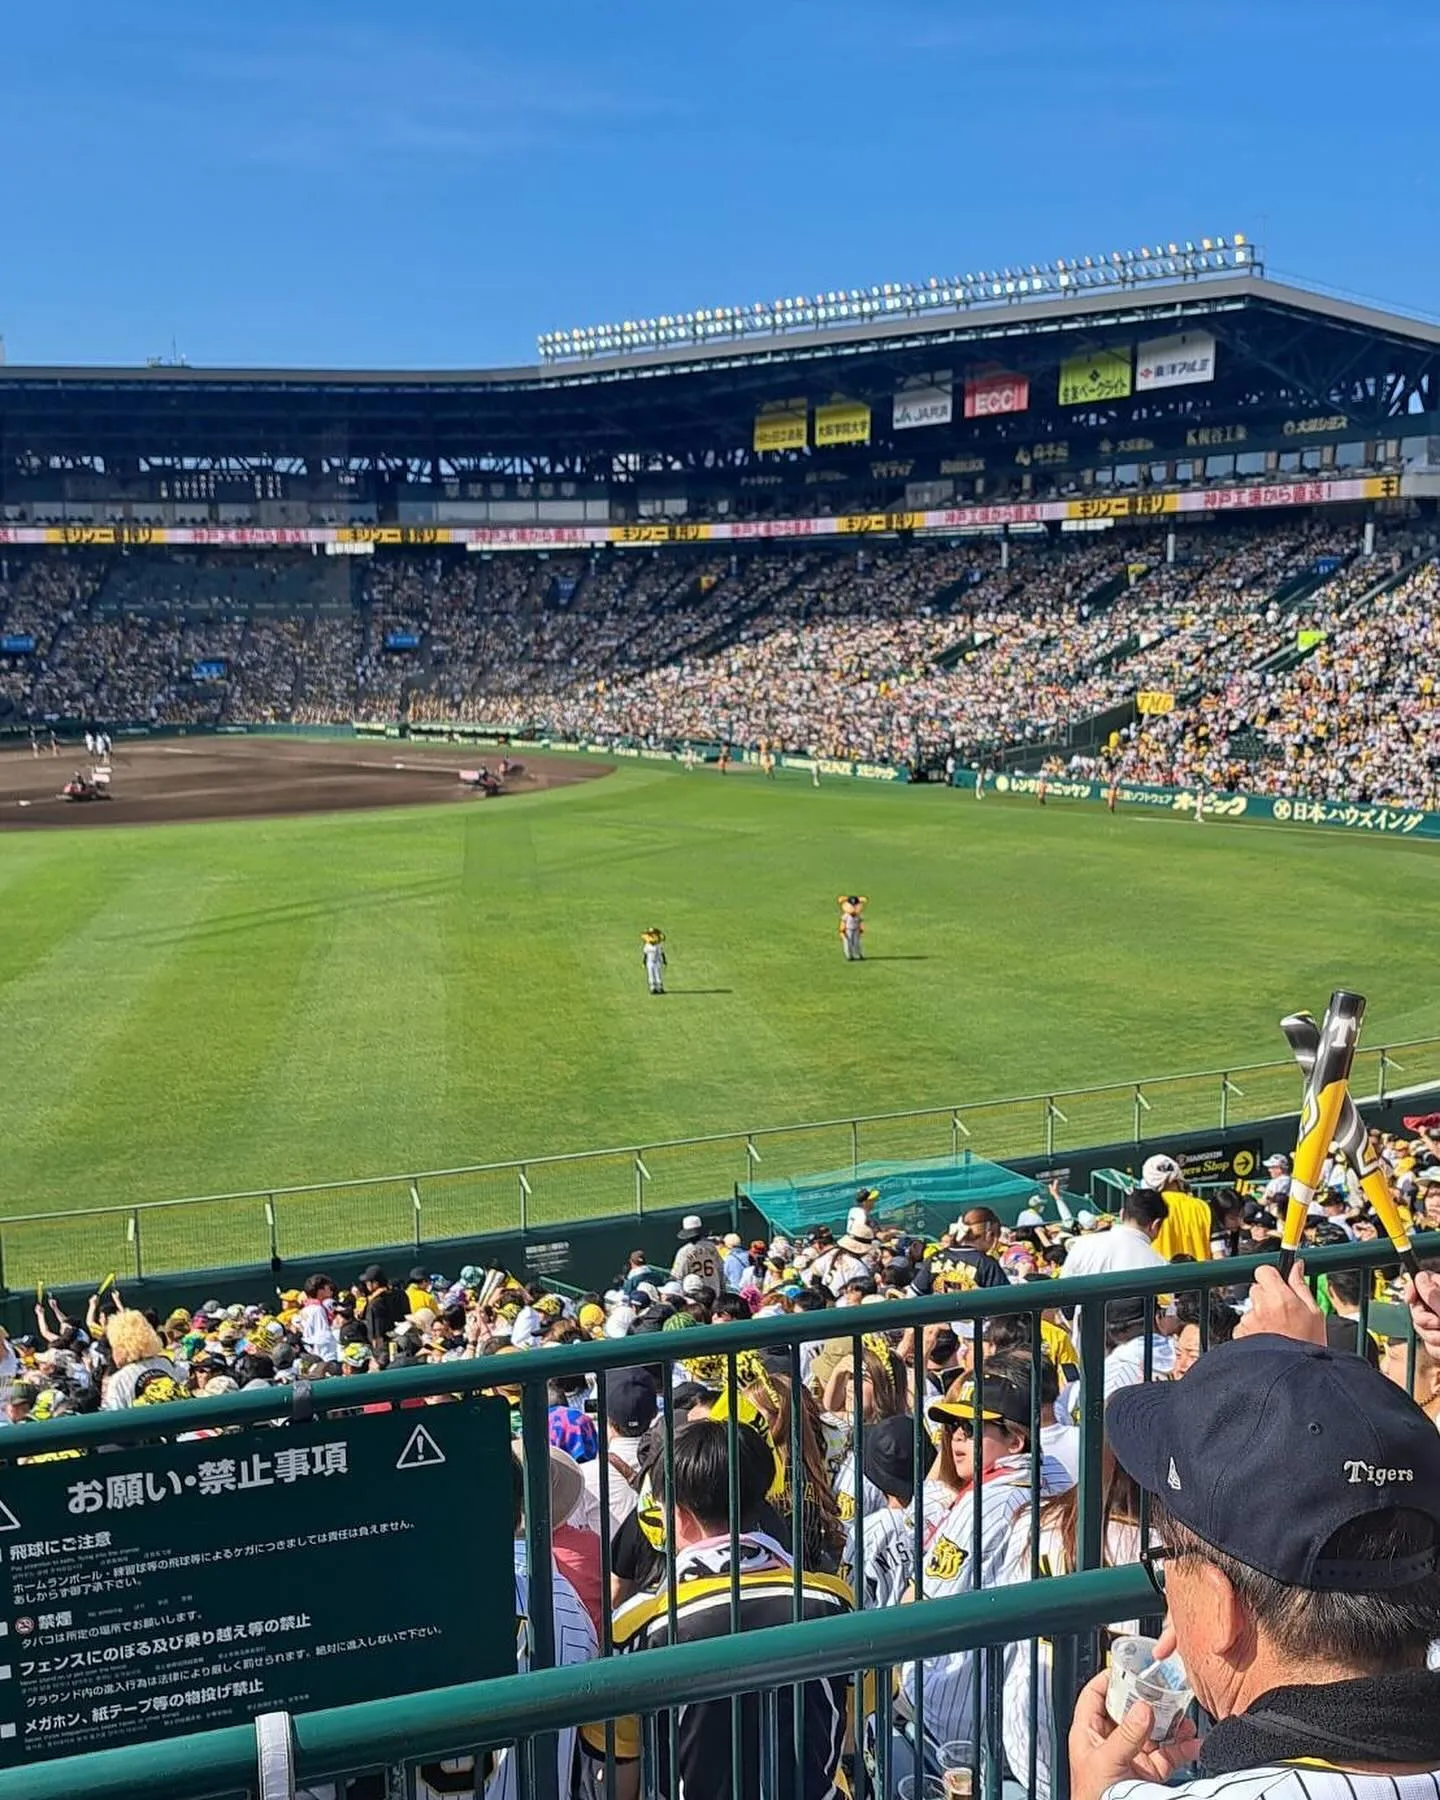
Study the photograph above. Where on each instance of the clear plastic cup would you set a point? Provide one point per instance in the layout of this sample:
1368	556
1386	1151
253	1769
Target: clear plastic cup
957	1768
1135	1675
920	1787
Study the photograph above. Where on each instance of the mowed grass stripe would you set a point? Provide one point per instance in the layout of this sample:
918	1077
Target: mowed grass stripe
76	1075
165	1111
46	898
364	1037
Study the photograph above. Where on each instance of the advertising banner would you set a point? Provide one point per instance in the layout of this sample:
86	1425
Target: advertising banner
1098	375
1154	701
842	422
1174	361
17	643
484	538
784	427
1280	809
987	396
1228	1161
923	405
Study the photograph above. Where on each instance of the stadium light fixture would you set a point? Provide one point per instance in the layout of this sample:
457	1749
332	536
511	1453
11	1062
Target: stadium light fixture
1164	261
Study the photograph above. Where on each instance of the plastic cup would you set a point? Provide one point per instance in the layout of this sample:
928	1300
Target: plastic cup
1135	1675
957	1768
920	1787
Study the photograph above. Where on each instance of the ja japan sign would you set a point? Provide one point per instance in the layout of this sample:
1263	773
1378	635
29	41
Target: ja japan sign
182	1586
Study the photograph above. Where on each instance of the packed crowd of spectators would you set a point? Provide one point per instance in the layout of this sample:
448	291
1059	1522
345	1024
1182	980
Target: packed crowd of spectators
1356	719
864	1507
878	652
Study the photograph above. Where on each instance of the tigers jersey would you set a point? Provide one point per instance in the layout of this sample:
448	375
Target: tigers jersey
703	1728
887	1550
1122	1545
1283	1781
950	1568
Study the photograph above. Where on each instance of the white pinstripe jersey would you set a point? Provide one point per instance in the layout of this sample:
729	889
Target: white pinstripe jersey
950	1568
575	1642
1122	1546
1285	1781
888	1550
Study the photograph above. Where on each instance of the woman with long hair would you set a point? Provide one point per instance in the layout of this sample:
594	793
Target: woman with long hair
1053	1550
822	1530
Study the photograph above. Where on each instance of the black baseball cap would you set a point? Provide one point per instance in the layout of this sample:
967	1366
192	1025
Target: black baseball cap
1001	1402
630	1399
1269	1446
888	1458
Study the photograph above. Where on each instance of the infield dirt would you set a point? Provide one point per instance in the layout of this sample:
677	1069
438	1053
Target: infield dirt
166	781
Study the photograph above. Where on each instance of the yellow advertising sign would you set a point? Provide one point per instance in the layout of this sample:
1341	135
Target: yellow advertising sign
886	521
1099	375
1154	701
1122	506
842	422
659	532
784	427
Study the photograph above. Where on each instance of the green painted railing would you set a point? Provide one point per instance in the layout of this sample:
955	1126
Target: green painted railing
522	1709
532	1194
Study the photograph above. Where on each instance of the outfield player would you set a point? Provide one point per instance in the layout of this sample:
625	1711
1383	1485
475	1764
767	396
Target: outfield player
1112	793
852	925
652	954
1298	1566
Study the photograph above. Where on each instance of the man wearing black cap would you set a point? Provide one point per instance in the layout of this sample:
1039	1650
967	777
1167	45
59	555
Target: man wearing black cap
385	1308
631	1403
888	1540
1295	1537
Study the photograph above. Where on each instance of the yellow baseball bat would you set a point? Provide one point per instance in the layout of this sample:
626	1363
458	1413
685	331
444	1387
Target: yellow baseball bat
1354	1140
1325	1095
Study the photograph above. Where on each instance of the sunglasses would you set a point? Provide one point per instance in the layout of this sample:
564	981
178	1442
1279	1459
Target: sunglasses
1152	1561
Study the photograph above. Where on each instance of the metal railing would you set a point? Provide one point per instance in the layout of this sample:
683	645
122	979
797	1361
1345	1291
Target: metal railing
534	1193
1051	1620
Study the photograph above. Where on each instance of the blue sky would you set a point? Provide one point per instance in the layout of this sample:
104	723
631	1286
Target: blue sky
430	185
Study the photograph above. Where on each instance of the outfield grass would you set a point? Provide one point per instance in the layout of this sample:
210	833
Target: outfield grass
196	1009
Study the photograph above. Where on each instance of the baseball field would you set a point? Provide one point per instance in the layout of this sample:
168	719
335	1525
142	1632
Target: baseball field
251	1001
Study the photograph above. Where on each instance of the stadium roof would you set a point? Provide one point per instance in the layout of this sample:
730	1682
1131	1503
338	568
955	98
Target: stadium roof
1281	347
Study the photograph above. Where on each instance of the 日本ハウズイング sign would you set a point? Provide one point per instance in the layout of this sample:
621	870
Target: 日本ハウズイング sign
181	1586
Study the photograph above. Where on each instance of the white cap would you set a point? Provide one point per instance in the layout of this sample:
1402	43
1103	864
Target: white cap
1085	1220
692	1222
693	1284
1029	1217
1158	1170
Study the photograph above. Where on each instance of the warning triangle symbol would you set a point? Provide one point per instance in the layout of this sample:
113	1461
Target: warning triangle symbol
8	1521
420	1452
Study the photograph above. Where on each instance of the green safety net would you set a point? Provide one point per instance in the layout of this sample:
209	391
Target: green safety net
923	1197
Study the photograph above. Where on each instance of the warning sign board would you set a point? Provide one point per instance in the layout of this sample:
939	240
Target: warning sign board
180	1586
